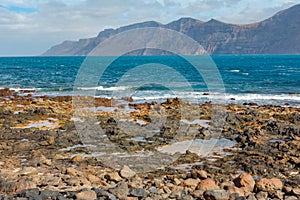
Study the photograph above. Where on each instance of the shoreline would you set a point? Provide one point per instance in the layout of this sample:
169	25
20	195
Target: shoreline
41	148
251	99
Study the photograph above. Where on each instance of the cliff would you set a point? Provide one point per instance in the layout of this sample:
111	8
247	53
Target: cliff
279	34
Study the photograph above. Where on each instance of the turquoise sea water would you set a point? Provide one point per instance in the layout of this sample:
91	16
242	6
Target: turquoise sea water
264	79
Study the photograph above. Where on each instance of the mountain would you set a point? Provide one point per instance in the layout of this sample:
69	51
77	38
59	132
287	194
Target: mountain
279	34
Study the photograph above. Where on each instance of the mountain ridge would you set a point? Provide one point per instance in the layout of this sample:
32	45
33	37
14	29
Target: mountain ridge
278	34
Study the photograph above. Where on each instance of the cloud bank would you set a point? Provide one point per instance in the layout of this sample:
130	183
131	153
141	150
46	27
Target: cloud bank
29	27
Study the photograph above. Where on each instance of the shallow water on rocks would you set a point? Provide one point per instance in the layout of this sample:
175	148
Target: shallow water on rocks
275	140
199	146
75	147
203	123
90	155
42	124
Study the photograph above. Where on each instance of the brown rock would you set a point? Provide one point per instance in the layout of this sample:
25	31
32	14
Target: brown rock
17	185
28	171
202	174
167	189
207	184
92	178
295	160
177	181
72	171
77	181
114	176
296	191
278	194
126	172
24	146
86	195
234	196
198	193
45	161
236	190
193	183
137	182
268	185
39	160
132	198
287	189
291	198
245	181
51	140
53	181
77	159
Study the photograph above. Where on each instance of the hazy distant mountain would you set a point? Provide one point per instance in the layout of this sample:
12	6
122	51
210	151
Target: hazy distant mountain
279	34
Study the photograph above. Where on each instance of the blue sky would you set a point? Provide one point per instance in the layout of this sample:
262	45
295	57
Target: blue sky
17	9
30	27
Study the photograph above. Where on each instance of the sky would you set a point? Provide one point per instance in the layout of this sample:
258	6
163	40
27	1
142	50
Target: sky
30	27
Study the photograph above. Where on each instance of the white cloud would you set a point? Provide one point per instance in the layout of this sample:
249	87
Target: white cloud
58	20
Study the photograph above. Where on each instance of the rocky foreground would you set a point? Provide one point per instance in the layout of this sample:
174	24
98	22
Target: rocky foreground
43	156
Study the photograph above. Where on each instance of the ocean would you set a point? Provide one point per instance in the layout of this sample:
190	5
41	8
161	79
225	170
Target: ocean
261	79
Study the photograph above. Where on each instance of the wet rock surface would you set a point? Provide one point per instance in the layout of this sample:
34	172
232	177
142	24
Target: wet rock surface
44	157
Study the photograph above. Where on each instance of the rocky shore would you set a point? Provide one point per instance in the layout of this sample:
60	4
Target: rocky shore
44	157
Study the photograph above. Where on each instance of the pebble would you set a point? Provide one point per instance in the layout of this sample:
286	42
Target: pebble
126	172
236	190
207	184
251	197
104	193
138	192
215	195
261	195
132	198
198	193
114	176
77	159
202	174
86	195
193	183
291	198
153	190
49	194
121	190
245	181
269	184
296	191
177	181
72	171
240	198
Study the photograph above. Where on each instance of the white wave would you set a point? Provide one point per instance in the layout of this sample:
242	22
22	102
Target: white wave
198	97
17	89
154	97
293	97
101	88
211	96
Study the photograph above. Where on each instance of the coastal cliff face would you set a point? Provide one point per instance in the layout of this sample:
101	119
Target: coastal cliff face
279	34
